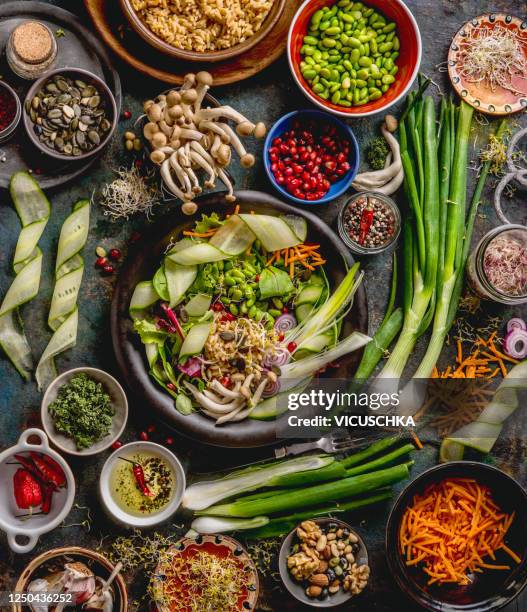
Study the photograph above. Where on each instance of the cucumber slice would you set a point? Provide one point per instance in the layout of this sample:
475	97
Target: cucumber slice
179	279
298	225
234	237
160	284
143	297
269	409
309	294
199	253
303	311
198	305
195	341
273	232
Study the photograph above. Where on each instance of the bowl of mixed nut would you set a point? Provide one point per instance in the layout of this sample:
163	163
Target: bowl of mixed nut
70	114
324	563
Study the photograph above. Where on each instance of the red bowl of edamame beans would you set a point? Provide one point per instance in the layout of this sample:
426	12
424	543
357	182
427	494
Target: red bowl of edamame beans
354	59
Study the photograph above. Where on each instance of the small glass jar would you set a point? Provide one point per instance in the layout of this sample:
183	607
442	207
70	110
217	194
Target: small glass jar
385	223
478	265
10	111
31	50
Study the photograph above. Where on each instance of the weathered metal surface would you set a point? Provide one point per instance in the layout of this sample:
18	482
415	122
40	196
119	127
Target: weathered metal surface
265	97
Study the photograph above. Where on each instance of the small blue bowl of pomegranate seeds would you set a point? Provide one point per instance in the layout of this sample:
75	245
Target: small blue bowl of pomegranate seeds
311	157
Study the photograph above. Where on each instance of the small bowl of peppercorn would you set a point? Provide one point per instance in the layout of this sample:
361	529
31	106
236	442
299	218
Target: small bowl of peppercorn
10	111
323	563
369	223
311	157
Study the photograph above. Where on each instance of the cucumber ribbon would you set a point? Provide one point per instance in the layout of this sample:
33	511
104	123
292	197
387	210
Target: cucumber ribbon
34	210
483	433
63	313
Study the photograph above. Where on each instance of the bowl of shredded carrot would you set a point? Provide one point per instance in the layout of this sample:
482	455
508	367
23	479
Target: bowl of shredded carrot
456	538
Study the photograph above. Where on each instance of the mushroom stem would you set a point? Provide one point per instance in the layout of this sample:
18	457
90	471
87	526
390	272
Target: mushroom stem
203	163
169	181
226	112
181	174
234	139
216	128
224	178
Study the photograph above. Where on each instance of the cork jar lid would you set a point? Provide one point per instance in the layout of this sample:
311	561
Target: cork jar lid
32	42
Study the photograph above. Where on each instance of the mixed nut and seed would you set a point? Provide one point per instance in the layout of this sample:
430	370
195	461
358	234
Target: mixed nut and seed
324	559
69	116
369	221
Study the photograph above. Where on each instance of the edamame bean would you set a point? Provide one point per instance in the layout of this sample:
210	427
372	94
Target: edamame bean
237	295
274	312
230	281
234	309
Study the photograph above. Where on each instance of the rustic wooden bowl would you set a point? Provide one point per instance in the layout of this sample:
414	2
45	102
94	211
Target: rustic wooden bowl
85	555
208	56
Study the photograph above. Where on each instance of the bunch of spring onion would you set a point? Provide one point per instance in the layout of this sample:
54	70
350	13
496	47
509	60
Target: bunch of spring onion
437	232
268	500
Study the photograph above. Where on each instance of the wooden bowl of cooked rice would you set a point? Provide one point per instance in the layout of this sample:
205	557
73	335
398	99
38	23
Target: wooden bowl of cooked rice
203	30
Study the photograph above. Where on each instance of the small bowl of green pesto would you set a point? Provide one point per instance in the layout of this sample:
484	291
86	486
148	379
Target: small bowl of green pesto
84	411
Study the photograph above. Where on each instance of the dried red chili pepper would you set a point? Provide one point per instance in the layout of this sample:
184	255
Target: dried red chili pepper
139	476
50	474
47	497
28	492
366	221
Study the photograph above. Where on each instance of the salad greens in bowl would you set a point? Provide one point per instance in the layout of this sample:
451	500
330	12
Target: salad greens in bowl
238	309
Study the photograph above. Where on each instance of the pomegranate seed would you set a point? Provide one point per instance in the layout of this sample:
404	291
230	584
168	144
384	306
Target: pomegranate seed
144	436
100	262
169	440
127	114
37	171
230	316
281	336
152	428
257	278
218	307
108	269
117	445
285	310
115	254
225	381
291	347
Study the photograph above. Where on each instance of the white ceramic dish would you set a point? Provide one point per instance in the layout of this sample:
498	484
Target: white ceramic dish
30	530
119	402
130	520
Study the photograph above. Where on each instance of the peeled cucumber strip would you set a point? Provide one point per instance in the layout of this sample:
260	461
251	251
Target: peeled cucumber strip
199	253
179	278
160	284
198	305
69	269
63	339
303	311
194	341
309	294
234	237
34	209
273	232
298	225
483	433
143	297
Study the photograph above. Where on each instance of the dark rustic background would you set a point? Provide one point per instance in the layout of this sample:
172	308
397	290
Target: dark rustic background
265	97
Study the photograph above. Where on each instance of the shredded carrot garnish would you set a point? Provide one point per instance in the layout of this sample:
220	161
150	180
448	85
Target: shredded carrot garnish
451	528
418	442
306	255
200	235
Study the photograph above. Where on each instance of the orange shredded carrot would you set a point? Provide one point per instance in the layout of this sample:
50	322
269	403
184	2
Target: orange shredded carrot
451	528
200	234
418	442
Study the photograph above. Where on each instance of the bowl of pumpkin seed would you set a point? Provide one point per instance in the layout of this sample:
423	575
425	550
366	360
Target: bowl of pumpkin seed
70	113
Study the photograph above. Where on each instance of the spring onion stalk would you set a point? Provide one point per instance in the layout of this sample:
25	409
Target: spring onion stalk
34	209
451	267
310	496
295	371
326	316
481	434
215	524
374	449
383	337
421	245
201	495
281	525
63	314
381	462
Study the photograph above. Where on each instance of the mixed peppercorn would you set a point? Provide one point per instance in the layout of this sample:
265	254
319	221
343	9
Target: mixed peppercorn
307	159
369	221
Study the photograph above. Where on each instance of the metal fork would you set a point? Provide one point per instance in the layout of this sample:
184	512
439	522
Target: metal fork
335	442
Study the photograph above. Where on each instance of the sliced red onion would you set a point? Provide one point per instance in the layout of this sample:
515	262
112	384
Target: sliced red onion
191	367
277	357
285	323
516	323
271	388
515	344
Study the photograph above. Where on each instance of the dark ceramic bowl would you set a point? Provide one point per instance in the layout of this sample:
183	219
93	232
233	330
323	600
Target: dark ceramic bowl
489	591
90	79
297	589
8	131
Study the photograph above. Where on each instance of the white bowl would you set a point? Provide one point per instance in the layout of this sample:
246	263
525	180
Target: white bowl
61	503
119	403
116	512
